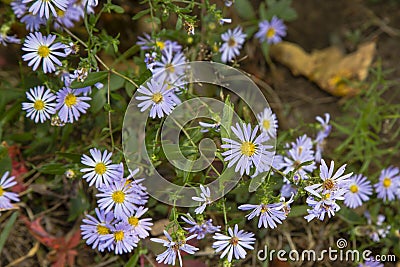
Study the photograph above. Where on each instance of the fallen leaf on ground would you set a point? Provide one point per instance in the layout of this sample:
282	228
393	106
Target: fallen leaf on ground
329	68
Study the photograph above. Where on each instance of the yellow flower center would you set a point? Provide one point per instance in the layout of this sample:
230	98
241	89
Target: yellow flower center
160	45
1	191
387	182
354	188
270	33
102	230
231	42
264	209
157	98
38	105
100	168
266	124
70	100
328	184
327	196
43	51
234	241
60	13
119	236
248	148
118	197
170	68
133	221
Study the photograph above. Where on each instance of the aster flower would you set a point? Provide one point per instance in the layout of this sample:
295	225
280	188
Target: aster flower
331	182
298	153
8	39
288	189
119	197
101	171
268	122
146	42
43	7
158	97
389	184
67	18
204	199
121	239
233	41
33	22
150	59
286	203
140	227
200	228
85	6
42	48
174	248
321	135
359	191
171	67
376	230
94	228
371	262
5	196
70	105
41	106
18	8
206	126
324	206
249	151
270	214
271	32
234	243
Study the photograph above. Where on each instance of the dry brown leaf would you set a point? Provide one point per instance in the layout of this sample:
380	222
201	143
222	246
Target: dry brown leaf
158	227
329	67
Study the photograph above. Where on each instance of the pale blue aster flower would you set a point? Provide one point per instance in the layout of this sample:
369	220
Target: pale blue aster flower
201	227
324	206
271	32
268	122
150	59
33	22
250	151
234	243
139	227
359	191
157	97
337	182
204	199
119	197
5	196
146	42
389	184
174	248
42	48
85	7
377	229
18	8
121	239
288	189
233	41
9	39
171	67
67	18
269	214
322	135
100	169
298	153
286	203
70	105
41	106
94	227
44	7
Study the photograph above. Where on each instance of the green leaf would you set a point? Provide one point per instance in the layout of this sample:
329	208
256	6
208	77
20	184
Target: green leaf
281	9
350	216
98	101
77	206
53	168
141	14
257	181
7	229
134	259
92	79
76	158
297	211
245	9
117	9
5	161
178	24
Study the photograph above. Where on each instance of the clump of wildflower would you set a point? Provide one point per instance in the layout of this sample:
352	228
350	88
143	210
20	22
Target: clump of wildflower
271	31
120	239
376	229
233	41
93	228
41	106
250	151
233	244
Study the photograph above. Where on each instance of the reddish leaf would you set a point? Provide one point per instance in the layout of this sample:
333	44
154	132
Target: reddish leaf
18	167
